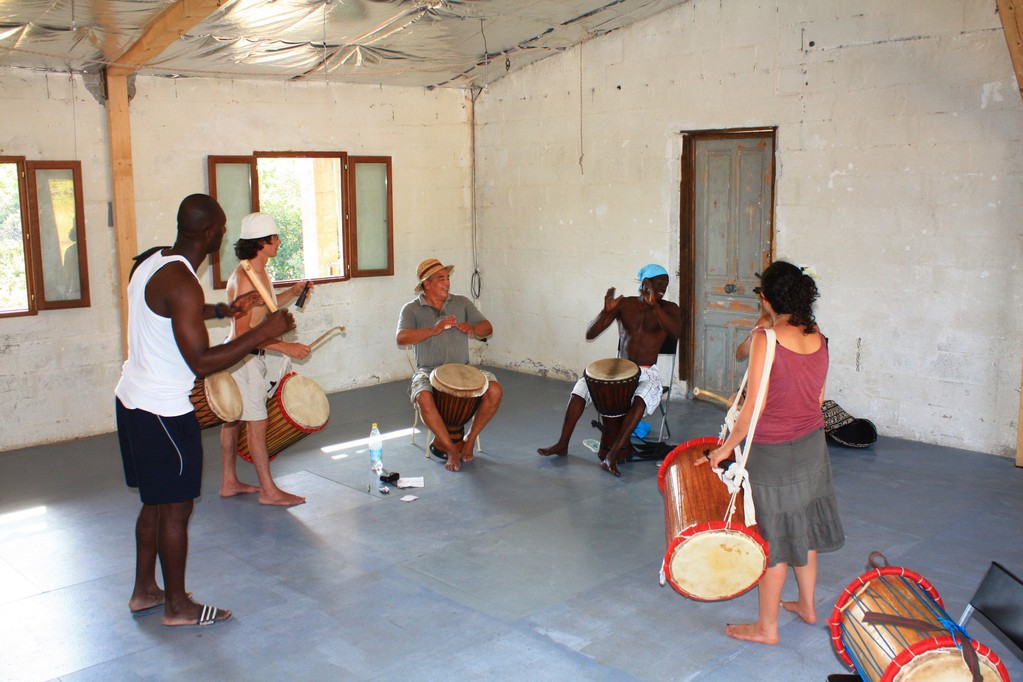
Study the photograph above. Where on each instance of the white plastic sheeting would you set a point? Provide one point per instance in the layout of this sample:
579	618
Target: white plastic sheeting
428	43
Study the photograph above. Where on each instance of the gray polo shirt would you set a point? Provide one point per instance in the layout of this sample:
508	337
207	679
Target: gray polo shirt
449	346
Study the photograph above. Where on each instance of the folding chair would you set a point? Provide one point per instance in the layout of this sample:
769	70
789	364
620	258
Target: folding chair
666	358
999	598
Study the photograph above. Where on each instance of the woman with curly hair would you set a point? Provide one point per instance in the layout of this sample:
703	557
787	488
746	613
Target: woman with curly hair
789	467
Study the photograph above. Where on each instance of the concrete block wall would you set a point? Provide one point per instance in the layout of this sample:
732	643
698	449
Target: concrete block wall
898	180
59	368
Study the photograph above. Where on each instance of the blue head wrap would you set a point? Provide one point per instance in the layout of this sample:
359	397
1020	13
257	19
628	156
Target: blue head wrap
649	272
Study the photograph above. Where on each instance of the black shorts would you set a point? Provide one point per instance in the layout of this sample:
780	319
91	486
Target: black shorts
162	456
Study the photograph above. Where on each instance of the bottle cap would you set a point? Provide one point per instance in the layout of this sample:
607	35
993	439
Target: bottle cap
374	423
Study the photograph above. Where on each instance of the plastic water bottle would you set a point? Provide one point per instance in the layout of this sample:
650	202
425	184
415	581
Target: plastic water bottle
376	451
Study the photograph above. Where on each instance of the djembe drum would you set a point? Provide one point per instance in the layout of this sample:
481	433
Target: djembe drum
298	408
891	626
612	383
457	391
709	558
216	399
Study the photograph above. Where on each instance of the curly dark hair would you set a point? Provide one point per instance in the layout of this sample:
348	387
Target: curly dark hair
790	291
246	249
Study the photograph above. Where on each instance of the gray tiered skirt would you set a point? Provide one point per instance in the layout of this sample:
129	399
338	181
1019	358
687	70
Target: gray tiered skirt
794	498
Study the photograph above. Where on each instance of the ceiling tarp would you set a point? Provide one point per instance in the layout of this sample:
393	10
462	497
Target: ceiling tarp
425	43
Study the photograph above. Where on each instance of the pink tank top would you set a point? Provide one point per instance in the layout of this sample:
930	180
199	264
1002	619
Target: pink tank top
793	407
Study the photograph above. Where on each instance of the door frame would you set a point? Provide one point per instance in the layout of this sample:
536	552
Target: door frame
687	233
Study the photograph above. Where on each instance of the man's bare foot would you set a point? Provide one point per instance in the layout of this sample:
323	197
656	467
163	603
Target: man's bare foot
809	615
280	498
751	632
468	453
147	601
610	464
454	462
232	488
196	614
556	449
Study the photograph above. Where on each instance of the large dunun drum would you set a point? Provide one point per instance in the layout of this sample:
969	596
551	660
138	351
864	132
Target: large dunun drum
707	559
298	408
216	399
457	392
891	626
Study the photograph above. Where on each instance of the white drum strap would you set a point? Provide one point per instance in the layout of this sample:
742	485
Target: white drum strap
736	477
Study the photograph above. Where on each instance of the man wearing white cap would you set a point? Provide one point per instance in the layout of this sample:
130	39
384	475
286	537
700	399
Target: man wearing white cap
644	322
437	324
258	243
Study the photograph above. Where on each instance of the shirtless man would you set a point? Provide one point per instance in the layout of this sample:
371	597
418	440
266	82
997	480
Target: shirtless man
258	243
161	446
644	322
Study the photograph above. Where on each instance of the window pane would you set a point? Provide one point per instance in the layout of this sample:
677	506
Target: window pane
234	194
304	195
13	283
371	215
58	234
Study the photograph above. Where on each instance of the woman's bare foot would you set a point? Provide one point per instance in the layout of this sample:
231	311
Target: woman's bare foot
808	614
556	449
280	498
232	488
752	632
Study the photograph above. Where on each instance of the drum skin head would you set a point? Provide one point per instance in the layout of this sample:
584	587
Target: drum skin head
612	369
945	664
464	381
305	402
713	565
223	396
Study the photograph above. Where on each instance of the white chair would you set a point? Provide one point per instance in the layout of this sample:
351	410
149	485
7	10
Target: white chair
666	359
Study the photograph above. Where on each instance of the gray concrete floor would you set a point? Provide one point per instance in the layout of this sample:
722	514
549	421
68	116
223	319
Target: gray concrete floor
519	567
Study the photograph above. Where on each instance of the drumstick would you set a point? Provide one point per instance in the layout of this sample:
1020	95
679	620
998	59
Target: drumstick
324	335
707	395
257	284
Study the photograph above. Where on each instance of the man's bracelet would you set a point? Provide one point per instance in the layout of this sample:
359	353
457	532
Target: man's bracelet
216	311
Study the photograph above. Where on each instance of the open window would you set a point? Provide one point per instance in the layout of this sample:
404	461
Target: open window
334	212
43	254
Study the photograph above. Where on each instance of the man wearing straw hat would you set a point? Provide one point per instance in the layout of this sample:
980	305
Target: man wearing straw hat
437	324
258	244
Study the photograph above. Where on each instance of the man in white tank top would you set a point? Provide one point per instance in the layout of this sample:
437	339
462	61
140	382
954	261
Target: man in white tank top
161	449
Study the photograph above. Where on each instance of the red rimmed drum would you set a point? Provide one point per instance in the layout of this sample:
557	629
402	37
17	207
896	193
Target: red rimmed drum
298	408
891	626
611	383
457	392
707	559
216	399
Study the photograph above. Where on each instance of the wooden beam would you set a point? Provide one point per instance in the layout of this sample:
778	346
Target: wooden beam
172	23
1019	431
123	185
1012	26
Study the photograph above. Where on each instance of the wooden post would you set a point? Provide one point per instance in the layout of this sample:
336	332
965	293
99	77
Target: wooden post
123	187
1012	26
1019	428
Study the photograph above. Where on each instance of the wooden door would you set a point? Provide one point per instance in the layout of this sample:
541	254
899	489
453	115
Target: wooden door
731	211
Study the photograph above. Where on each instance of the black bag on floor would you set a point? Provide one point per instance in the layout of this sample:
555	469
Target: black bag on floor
844	429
